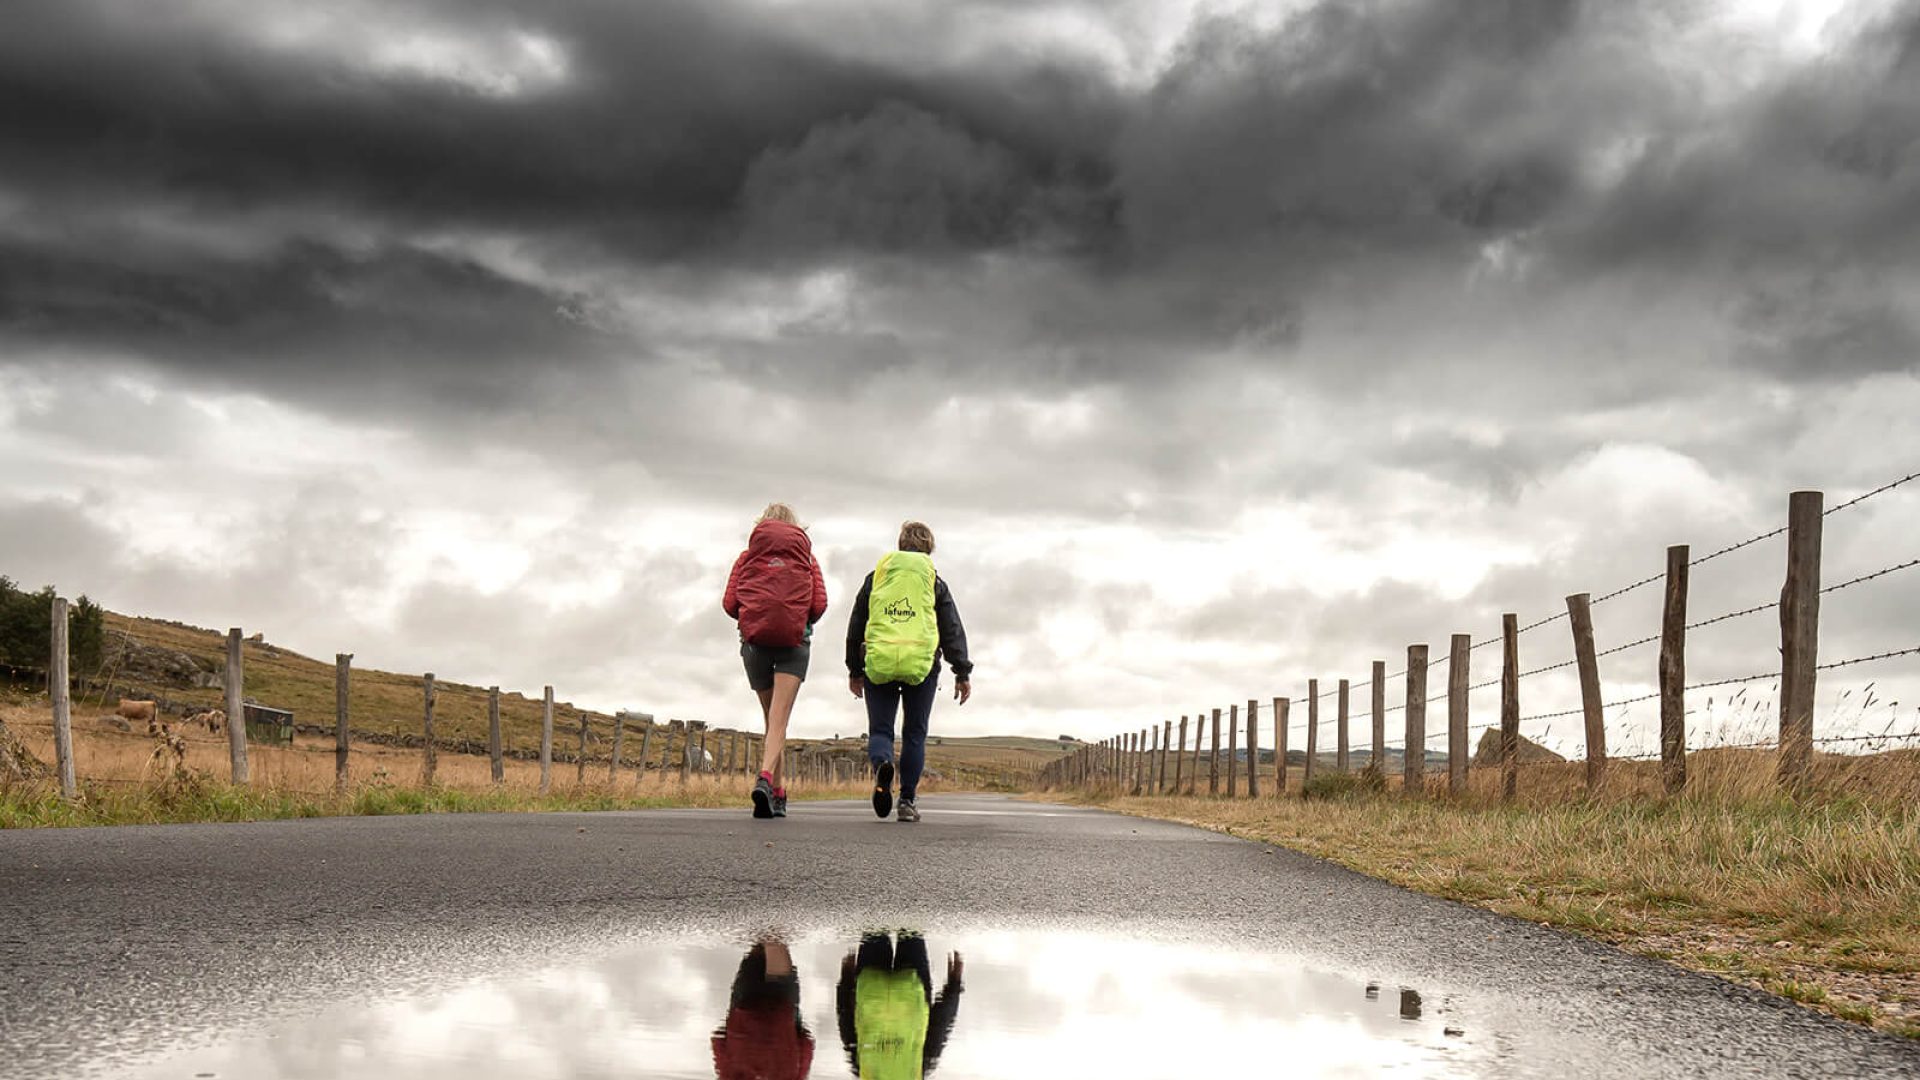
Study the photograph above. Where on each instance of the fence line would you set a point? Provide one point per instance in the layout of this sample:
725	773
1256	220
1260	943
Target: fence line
1798	604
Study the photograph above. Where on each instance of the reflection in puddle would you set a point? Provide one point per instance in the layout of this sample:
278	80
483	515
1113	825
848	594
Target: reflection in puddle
1036	1005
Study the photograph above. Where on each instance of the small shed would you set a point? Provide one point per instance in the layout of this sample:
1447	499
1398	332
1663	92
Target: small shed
266	725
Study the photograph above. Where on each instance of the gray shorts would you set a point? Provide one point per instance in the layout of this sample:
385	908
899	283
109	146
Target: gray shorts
764	663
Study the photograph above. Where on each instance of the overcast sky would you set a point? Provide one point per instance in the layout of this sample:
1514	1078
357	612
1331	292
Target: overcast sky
1222	345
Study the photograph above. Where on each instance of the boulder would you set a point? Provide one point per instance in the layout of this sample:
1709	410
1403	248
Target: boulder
1487	754
134	661
17	762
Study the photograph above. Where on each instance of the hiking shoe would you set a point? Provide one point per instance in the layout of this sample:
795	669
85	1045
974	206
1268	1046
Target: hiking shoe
780	803
908	811
763	797
883	790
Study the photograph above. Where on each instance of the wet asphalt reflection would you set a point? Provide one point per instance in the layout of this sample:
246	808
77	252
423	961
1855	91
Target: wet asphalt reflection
897	1005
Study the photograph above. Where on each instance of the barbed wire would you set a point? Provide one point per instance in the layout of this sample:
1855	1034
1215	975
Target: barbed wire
1769	605
1868	659
1731	548
1882	489
1910	563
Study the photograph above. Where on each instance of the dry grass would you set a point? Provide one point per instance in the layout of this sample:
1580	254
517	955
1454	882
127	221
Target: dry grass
127	782
1815	897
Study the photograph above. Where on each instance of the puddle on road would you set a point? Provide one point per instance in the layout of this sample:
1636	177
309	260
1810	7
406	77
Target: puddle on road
879	1007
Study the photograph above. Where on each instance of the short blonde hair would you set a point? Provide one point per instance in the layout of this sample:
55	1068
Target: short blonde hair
779	511
915	536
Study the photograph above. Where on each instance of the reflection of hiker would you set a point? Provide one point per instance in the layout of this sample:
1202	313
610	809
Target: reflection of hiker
763	1037
903	622
776	593
891	1025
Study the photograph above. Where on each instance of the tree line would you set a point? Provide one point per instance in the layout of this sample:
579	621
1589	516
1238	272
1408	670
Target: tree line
26	629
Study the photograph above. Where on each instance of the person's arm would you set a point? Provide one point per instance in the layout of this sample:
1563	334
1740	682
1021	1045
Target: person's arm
843	1010
940	1018
857	631
730	600
953	635
819	605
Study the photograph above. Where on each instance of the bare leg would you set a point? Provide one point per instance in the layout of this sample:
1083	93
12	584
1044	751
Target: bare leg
777	704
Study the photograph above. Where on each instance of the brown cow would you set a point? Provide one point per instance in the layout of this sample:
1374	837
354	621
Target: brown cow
136	711
214	720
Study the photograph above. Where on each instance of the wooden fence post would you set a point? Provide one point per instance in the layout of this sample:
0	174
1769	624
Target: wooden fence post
1413	775
580	766
1213	758
1457	683
1166	747
1509	706
1180	759
1580	615
1233	750
686	755
1799	635
496	747
1281	706
1199	739
430	759
1341	759
1149	749
59	688
1377	761
236	708
619	733
1253	748
646	744
546	741
1673	673
1313	731
342	737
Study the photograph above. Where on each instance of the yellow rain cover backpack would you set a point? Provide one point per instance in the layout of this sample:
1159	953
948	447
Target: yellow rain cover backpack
902	634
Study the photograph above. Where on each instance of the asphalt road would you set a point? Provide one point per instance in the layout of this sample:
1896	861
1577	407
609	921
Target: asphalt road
117	942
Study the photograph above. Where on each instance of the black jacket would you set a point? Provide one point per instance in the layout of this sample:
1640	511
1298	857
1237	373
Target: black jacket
953	636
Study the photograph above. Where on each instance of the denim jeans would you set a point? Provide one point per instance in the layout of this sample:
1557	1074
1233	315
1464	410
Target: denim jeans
884	701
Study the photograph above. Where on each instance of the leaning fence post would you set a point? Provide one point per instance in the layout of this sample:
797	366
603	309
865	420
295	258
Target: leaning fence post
1280	708
1457	683
342	737
1413	777
1341	760
1253	748
619	733
546	741
429	760
1799	635
1377	760
646	744
1509	706
236	708
59	689
496	750
1673	673
1580	615
1166	747
1313	731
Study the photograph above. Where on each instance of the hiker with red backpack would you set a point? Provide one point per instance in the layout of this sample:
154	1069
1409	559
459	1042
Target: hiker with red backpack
904	620
776	594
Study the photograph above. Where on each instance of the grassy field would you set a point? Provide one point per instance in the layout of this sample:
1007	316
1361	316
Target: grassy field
1816	898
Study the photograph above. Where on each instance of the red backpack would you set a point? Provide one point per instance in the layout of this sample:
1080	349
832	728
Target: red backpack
774	586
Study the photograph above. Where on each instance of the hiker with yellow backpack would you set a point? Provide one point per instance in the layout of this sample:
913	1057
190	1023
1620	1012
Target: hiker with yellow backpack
903	622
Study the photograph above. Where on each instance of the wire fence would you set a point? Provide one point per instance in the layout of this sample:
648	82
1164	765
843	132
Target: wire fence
1362	735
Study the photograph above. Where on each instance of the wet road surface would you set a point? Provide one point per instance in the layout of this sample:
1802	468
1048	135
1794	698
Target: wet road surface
1045	941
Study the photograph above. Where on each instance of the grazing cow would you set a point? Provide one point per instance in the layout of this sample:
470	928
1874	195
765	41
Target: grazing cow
134	712
214	720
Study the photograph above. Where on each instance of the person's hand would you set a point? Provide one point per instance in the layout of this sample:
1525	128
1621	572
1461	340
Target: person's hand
954	967
858	685
962	690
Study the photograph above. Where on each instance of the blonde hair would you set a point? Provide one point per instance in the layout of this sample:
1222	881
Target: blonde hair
779	511
915	536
